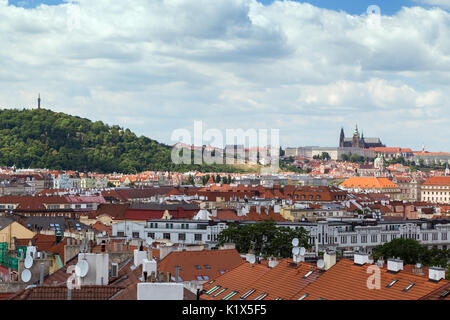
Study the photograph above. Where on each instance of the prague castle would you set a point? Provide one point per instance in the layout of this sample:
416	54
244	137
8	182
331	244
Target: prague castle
358	141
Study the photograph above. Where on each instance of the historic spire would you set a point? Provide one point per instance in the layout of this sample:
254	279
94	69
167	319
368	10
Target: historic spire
356	130
39	101
342	138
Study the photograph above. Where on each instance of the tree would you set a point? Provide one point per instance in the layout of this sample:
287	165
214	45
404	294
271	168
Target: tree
191	180
325	156
110	185
412	252
263	238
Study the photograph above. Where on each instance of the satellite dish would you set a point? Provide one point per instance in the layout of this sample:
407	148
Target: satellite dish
295	242
28	262
302	251
320	264
26	275
418	265
252	259
295	250
82	268
31	251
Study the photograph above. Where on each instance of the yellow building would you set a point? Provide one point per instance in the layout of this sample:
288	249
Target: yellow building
10	229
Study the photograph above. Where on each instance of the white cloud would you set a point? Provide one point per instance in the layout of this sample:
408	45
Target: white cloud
234	63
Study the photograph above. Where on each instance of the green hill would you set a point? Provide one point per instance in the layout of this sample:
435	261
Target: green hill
41	138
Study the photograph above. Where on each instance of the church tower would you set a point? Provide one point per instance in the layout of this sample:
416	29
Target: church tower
356	139
341	138
39	101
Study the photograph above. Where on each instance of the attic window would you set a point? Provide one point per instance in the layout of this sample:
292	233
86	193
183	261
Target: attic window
308	274
212	290
197	267
392	283
408	287
247	294
205	277
261	296
199	278
303	296
230	295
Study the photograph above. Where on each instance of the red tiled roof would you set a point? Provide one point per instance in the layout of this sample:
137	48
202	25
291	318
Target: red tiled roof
347	281
217	260
59	292
283	281
437	181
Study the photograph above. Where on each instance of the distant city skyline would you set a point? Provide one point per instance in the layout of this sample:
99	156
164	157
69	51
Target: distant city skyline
305	69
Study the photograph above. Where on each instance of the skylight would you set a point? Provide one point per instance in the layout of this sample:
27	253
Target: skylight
207	266
205	277
308	274
212	290
247	294
444	294
230	295
392	283
197	267
408	287
219	292
199	278
303	296
261	296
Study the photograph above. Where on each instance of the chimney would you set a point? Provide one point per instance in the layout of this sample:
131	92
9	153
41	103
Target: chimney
329	259
360	259
250	257
436	274
139	257
145	276
273	263
394	265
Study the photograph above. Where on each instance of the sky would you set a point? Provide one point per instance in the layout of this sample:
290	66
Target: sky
306	68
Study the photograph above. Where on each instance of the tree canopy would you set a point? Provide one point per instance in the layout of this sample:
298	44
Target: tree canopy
412	252
263	238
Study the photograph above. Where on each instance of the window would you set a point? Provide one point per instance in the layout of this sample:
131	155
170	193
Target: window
207	266
198	237
120	234
247	294
135	234
354	239
444	236
198	267
435	236
374	238
182	236
199	278
166	236
151	235
364	239
230	295
303	296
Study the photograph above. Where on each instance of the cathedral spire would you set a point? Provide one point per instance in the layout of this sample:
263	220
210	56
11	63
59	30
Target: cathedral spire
39	101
